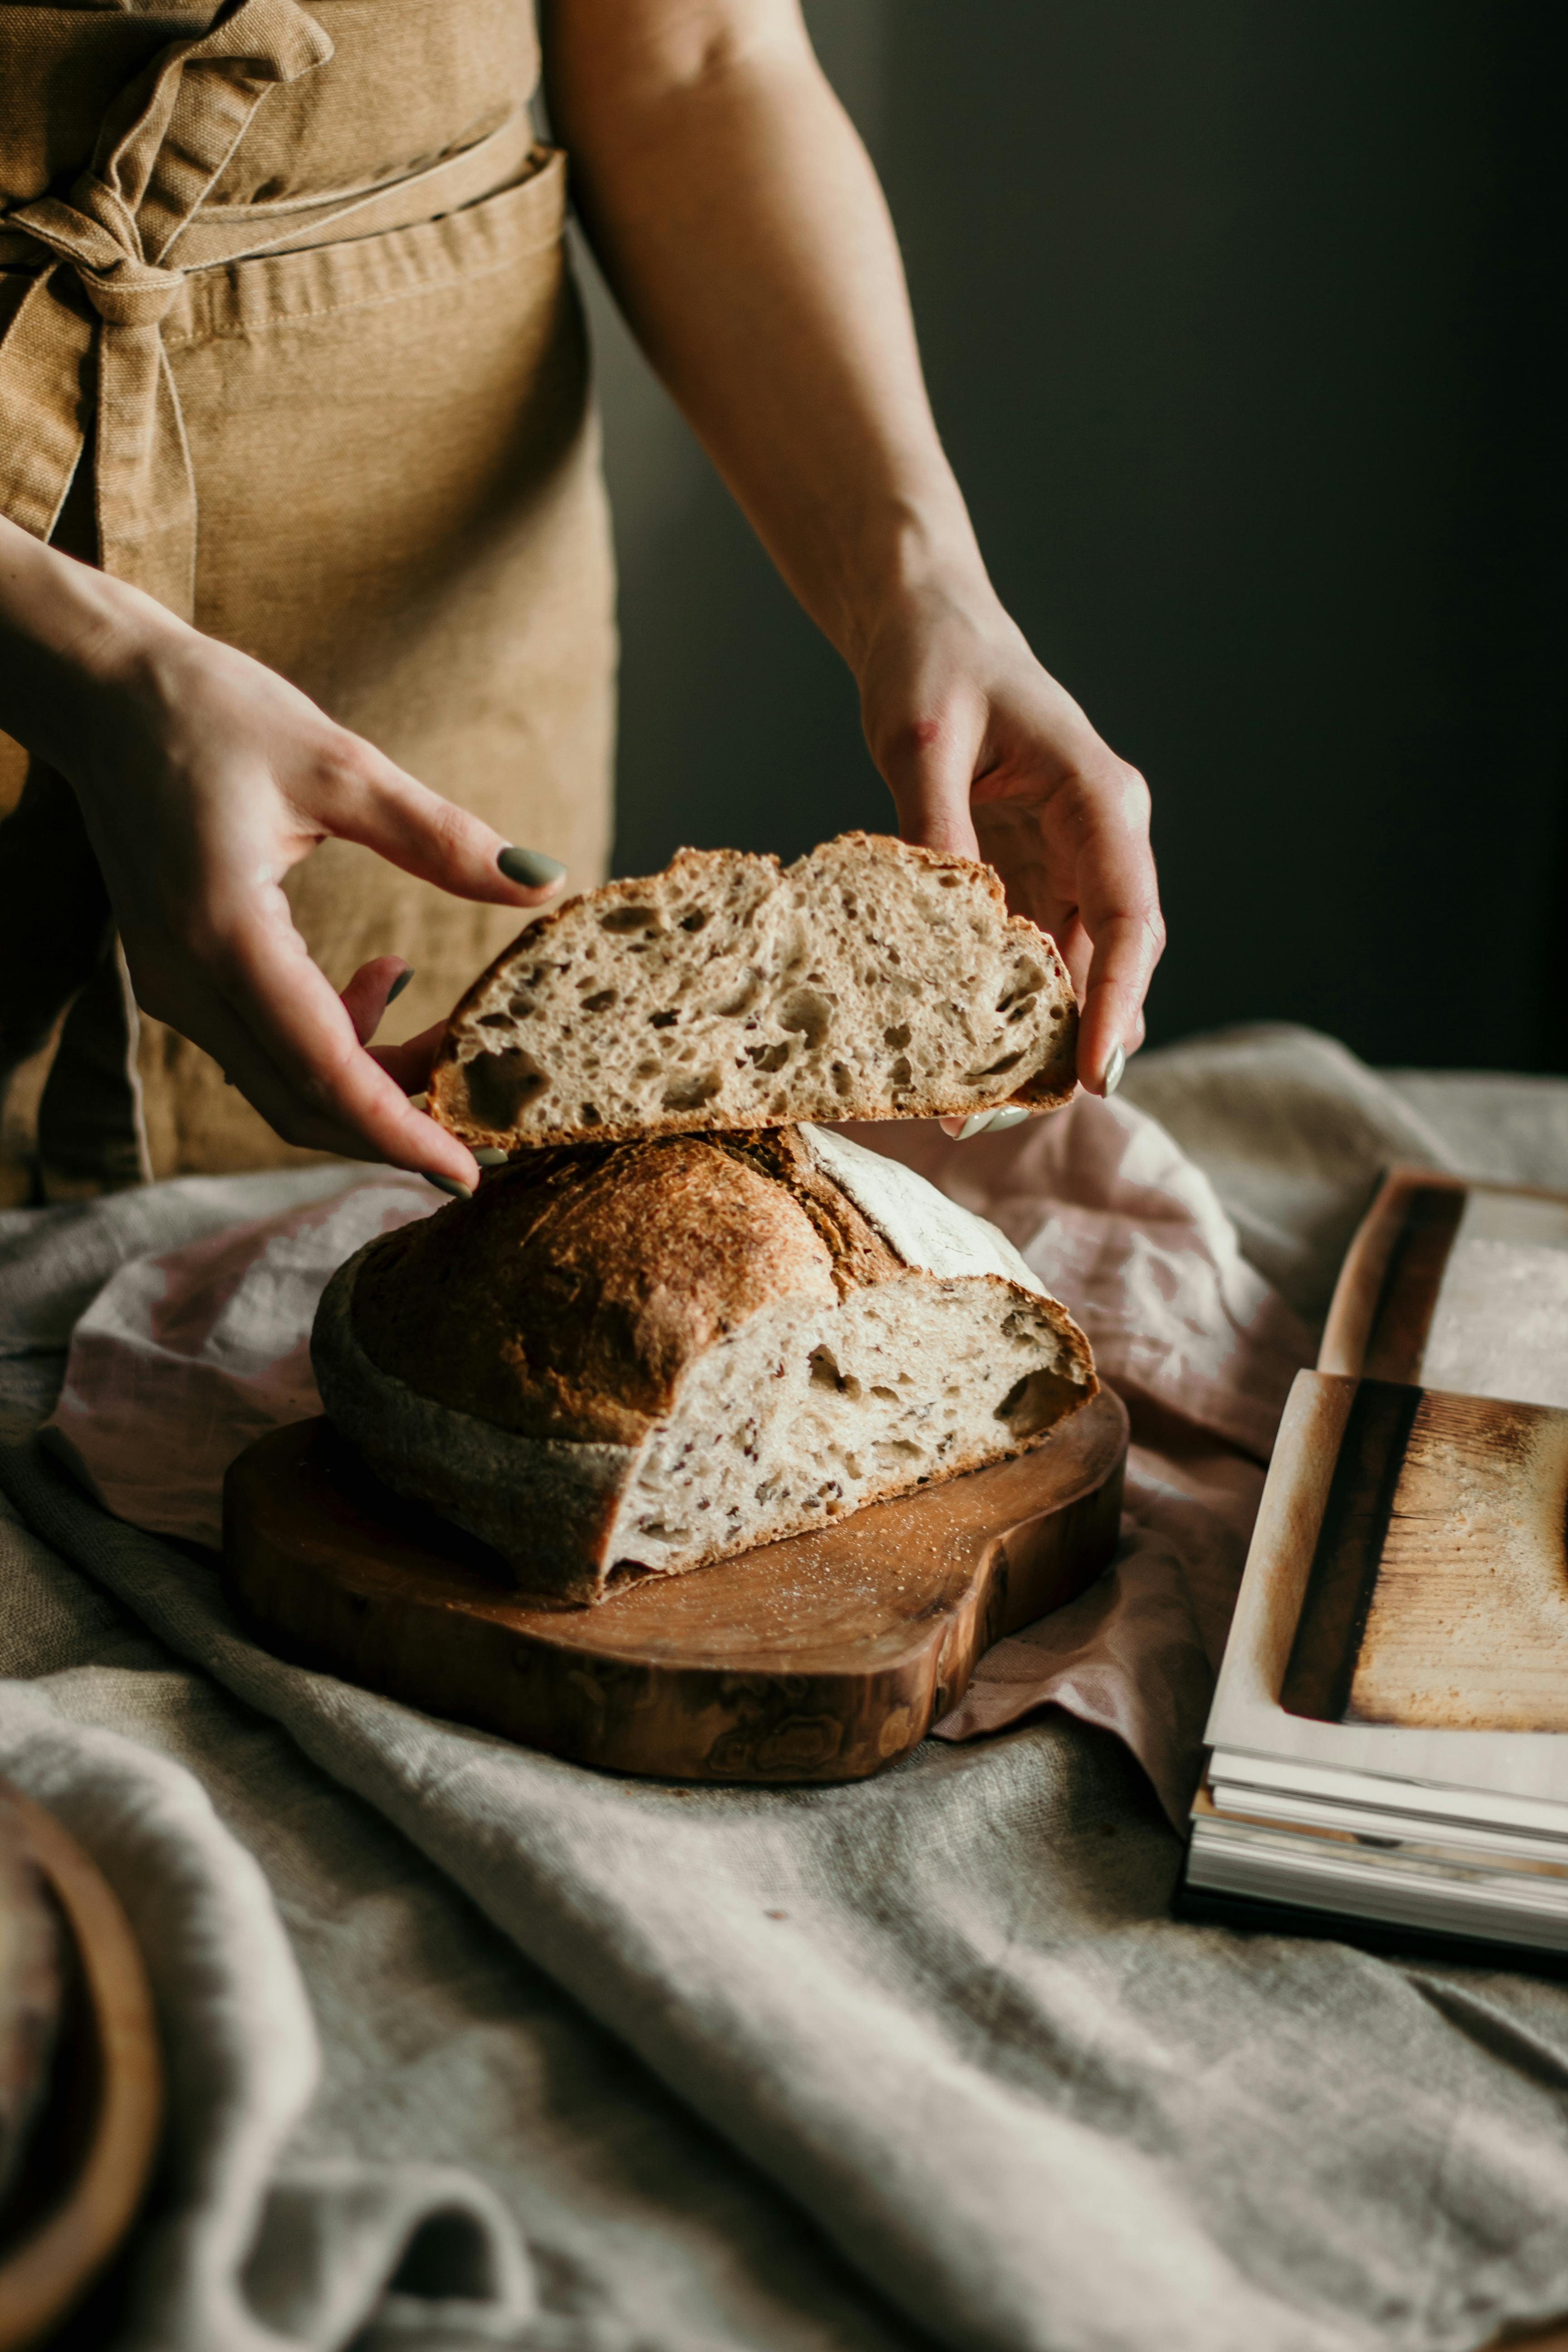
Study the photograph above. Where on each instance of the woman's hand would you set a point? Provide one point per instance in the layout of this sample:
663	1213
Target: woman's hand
202	778
739	218
987	756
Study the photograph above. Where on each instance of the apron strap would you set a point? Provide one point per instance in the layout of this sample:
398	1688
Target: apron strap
126	238
163	144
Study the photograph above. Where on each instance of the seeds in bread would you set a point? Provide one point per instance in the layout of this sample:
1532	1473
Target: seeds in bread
635	1360
869	979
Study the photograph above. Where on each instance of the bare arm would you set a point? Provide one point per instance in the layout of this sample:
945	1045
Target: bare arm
739	220
202	778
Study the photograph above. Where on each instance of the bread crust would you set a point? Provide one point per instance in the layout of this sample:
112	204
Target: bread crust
546	1505
470	1085
509	1359
566	1300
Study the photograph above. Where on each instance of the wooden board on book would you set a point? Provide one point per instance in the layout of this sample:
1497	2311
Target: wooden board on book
1297	1666
1455	1284
1437	1590
1385	1740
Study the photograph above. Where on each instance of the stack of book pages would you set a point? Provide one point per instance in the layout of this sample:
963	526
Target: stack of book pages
1386	1738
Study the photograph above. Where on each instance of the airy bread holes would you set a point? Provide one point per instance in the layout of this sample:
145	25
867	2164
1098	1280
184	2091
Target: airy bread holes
1027	981
499	1086
825	1374
803	1010
742	999
869	981
689	1092
1035	1403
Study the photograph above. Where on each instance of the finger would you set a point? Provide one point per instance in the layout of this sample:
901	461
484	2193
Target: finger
929	766
363	797
1105	815
261	968
409	1065
372	990
214	1027
985	1122
1074	947
193	1006
1127	946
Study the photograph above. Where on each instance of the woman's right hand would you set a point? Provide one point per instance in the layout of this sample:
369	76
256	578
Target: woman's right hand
204	778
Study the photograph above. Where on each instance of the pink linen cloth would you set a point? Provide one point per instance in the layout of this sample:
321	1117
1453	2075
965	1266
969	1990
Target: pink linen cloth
185	1357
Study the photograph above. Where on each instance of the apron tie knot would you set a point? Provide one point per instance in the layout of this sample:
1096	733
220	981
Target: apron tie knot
163	144
97	236
131	294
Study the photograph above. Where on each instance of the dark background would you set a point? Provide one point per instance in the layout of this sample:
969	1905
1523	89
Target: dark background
1245	324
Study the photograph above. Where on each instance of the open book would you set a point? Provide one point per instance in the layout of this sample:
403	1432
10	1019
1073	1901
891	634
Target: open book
1386	1737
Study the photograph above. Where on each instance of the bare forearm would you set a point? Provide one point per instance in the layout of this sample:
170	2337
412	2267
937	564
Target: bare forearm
740	221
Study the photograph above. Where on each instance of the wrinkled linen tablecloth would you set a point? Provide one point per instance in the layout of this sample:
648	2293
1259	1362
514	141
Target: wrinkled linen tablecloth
472	2047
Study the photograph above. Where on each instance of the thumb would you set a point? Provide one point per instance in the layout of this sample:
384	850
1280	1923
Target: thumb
929	766
374	804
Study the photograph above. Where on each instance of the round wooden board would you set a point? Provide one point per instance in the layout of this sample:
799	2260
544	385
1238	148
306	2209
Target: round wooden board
823	1658
88	2160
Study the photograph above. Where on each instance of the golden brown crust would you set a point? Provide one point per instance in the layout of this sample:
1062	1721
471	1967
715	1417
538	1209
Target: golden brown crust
508	1358
568	1298
857	1251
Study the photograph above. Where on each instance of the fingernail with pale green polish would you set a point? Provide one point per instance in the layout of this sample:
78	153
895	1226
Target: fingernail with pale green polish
448	1184
399	984
1113	1072
488	1156
975	1124
531	867
1010	1114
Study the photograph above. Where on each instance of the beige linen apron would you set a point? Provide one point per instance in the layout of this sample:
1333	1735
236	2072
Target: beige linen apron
287	338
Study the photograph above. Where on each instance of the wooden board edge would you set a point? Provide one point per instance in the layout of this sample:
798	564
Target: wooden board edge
737	1724
1353	1310
50	2269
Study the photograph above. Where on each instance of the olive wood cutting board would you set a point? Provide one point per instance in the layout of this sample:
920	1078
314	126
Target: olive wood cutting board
826	1657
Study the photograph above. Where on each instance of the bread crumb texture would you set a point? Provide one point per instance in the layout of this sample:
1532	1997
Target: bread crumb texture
869	979
632	1359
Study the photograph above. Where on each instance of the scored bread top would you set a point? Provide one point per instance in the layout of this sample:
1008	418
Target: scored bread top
869	979
568	1298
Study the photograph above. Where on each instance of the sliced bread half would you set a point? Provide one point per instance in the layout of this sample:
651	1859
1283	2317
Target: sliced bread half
630	1360
869	979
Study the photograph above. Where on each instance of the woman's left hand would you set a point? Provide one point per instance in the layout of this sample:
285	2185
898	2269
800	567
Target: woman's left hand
986	756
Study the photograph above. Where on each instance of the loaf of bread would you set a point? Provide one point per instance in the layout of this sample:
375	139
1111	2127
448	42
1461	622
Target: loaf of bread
869	981
632	1359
